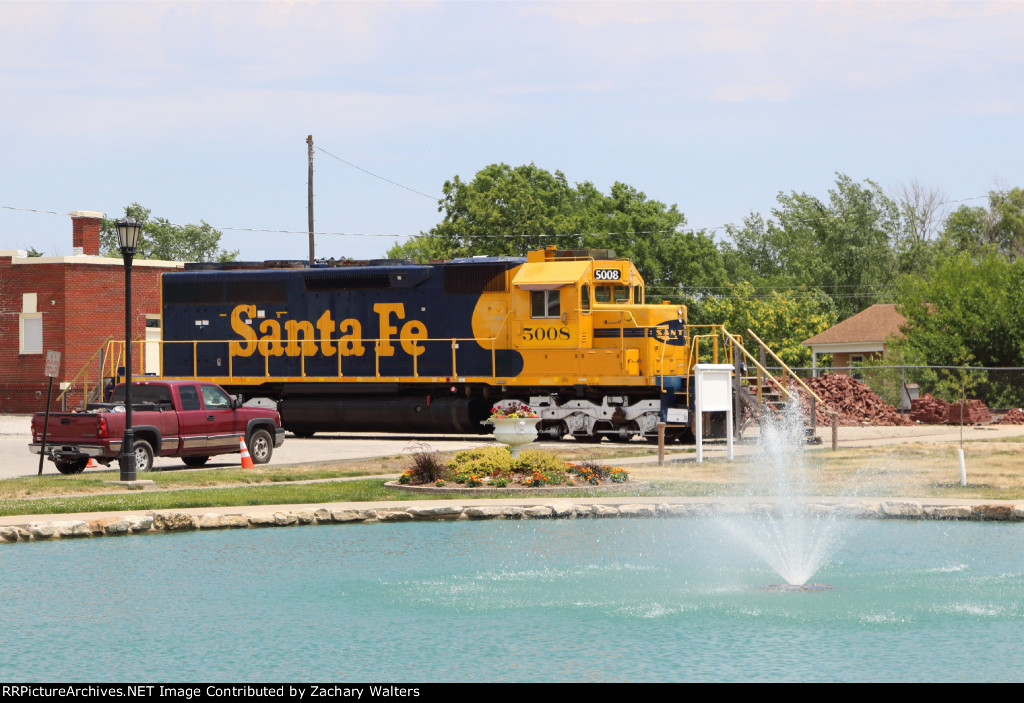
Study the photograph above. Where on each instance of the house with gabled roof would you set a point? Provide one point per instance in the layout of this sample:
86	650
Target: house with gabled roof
858	338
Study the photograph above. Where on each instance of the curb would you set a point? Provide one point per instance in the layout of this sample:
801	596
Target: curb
177	521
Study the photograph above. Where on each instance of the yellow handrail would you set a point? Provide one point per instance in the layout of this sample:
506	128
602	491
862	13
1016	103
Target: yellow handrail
85	384
788	370
735	340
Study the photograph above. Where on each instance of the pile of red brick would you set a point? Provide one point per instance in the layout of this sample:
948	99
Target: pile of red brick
854	401
928	409
1013	417
935	411
974	412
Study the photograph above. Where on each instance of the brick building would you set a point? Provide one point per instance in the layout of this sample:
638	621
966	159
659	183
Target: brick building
70	304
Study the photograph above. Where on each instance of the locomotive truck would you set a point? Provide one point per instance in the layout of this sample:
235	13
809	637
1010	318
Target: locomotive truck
400	347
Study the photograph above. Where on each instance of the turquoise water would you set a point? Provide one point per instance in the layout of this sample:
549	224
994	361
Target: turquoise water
570	600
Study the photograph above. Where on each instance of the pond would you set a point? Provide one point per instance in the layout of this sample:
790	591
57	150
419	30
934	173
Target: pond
503	600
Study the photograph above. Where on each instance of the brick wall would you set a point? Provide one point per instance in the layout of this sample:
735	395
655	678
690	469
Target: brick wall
85	231
81	305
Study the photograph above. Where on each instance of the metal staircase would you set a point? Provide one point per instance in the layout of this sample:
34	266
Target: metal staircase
762	392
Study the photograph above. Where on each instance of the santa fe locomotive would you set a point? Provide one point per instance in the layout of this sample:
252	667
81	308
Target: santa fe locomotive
400	347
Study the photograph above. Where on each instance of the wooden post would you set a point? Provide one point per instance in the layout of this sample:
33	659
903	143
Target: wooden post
661	443
835	429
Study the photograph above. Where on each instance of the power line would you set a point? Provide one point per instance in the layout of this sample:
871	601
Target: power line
507	235
371	173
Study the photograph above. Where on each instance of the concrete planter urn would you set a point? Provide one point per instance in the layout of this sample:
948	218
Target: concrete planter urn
515	431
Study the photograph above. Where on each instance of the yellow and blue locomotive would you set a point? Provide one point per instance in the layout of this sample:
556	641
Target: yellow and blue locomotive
401	347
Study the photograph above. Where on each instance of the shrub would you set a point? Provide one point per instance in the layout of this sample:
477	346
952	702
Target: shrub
537	460
486	461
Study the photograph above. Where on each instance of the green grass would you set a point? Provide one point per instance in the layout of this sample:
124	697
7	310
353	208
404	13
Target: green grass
371	489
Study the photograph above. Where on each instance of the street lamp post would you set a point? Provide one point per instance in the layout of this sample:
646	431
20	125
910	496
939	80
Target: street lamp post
128	238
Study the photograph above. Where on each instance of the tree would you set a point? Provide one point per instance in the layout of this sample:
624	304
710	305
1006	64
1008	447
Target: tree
998	228
159	239
507	211
781	319
967	308
924	212
848	246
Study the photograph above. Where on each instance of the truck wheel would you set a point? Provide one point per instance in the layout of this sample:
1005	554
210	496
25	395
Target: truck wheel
261	446
72	466
143	455
195	461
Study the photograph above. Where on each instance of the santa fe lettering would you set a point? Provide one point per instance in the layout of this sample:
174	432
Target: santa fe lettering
305	338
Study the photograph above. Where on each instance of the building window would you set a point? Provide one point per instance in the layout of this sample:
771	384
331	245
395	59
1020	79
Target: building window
30	326
545	304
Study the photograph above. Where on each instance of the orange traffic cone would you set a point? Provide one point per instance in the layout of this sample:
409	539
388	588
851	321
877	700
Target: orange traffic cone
246	459
92	464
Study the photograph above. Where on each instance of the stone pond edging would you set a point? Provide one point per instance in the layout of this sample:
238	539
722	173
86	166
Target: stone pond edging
176	521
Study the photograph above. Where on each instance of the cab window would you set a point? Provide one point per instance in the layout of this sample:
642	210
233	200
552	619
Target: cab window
215	398
638	295
585	298
611	294
545	304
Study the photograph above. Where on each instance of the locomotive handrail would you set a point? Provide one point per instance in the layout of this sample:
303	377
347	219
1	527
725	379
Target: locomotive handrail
416	343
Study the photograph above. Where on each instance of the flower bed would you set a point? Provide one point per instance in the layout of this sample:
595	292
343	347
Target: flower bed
495	467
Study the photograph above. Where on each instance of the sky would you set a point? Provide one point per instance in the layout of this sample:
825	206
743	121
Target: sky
200	111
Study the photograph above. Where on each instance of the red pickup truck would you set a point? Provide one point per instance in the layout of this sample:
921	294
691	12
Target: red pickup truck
189	419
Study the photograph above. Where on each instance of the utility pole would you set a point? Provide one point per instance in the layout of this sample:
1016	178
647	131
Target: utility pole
312	254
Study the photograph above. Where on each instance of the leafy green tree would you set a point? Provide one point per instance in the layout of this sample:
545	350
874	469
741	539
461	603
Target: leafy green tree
967	308
999	227
159	239
848	246
783	319
507	211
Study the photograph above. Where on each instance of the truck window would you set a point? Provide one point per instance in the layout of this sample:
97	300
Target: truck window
215	398
160	395
189	397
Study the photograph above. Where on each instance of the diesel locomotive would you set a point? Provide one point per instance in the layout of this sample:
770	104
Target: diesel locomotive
400	347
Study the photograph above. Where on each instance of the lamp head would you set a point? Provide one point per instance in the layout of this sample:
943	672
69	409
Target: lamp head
128	235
